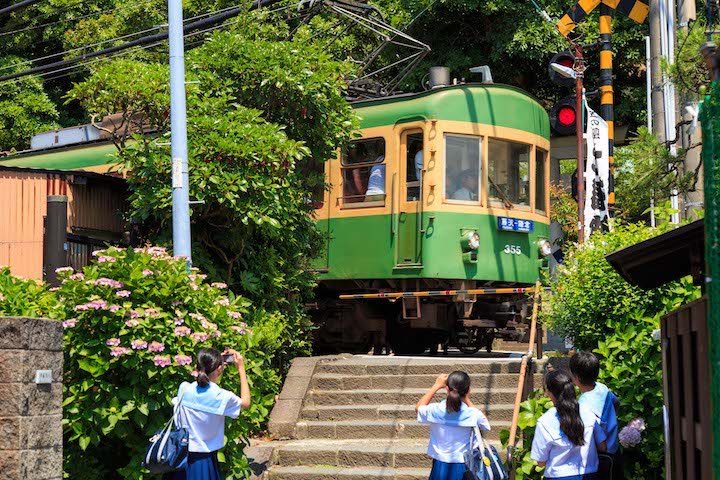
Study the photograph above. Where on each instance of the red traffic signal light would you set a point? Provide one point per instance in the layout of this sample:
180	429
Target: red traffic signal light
565	59
563	116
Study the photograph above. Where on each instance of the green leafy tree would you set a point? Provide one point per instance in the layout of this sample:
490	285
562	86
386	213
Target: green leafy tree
25	108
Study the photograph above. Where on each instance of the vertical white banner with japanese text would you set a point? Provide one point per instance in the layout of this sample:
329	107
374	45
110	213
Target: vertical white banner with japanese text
597	174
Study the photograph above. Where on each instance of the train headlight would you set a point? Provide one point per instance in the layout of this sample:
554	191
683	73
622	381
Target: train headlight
469	240
545	247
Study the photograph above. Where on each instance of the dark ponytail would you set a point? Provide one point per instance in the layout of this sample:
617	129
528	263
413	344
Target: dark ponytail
208	360
568	408
458	384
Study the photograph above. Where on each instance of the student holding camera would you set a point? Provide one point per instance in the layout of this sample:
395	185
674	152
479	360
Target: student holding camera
202	410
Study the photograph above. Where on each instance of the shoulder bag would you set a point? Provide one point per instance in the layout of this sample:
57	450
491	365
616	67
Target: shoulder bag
168	449
482	461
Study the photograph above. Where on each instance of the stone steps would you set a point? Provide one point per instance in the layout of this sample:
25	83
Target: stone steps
497	411
337	381
388	429
406	396
345	473
355	418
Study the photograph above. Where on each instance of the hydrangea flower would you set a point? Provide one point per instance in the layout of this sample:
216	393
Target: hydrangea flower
139	344
183	359
194	373
147	272
182	331
77	276
219	285
112	342
93	305
114	308
122	293
235	315
135	314
197	316
107	259
151	312
178	321
157	251
96	253
70	322
156	347
108	282
161	360
199	336
223	301
631	435
132	323
64	270
117	351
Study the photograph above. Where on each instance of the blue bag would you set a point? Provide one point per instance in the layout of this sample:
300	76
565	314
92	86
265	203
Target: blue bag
482	462
168	449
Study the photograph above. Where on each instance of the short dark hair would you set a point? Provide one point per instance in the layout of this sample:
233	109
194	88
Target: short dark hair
585	366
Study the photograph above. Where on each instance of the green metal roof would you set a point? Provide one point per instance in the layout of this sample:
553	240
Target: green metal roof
490	104
66	159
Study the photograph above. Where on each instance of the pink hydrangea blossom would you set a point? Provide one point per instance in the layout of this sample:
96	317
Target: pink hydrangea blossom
96	253
77	276
132	323
194	373
157	251
64	270
107	259
139	344
122	293
219	285
108	282
234	315
197	316
239	329
224	301
161	360
112	342
114	308
147	272
92	305
183	359
135	314
199	336
216	334
117	351
178	321
70	322
182	331
194	286
156	347
151	312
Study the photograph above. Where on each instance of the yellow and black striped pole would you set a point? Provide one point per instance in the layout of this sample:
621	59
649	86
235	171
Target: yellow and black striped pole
606	92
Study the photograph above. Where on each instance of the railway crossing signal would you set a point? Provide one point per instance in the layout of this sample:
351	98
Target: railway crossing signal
561	61
563	116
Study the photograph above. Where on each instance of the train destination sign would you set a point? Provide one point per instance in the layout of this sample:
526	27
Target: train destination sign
515	225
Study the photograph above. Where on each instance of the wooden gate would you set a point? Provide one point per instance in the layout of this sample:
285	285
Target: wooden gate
687	391
79	250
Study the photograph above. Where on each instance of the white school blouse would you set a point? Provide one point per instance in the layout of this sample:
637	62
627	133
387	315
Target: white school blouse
202	412
563	458
450	432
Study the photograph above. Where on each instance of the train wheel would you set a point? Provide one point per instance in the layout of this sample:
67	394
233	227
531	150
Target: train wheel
468	341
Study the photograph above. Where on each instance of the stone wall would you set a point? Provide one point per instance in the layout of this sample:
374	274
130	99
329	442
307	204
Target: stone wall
30	413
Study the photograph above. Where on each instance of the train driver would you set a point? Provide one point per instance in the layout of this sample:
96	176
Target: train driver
468	186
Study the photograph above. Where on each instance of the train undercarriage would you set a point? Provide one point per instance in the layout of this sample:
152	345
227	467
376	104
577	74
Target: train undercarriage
412	325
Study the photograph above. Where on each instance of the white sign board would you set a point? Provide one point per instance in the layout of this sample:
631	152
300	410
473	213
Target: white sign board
597	173
43	376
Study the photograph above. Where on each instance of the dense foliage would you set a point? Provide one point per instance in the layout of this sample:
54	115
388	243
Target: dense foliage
134	320
589	294
22	298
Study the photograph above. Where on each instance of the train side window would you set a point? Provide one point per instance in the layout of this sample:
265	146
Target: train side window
509	172
541	165
463	164
414	166
363	172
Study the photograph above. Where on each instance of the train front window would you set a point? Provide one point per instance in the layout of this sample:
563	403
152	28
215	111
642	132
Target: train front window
363	171
462	167
414	166
509	172
540	169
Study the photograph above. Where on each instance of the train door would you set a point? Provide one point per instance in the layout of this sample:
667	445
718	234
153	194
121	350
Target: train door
409	222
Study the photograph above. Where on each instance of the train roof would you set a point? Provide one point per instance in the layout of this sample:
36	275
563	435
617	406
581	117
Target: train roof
491	104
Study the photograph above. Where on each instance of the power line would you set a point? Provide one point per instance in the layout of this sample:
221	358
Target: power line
16	6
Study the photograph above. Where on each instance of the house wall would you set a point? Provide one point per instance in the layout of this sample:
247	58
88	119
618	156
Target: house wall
94	206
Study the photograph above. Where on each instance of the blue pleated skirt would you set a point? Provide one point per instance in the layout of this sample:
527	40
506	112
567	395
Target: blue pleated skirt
200	466
447	471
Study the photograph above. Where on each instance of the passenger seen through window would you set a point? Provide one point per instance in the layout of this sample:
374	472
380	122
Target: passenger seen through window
364	171
462	167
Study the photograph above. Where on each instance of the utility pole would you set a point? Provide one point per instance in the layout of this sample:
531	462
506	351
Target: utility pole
656	95
178	130
606	95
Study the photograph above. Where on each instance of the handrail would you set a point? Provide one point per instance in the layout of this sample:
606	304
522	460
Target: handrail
523	368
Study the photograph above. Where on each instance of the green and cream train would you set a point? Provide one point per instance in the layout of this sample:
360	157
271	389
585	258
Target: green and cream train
444	190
